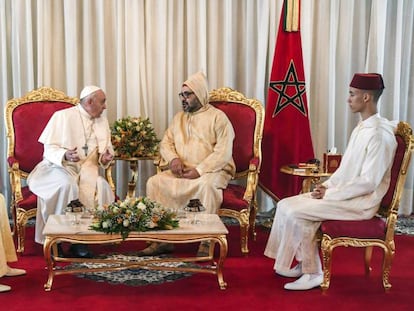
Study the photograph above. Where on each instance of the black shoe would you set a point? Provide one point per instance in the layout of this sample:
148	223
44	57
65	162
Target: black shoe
80	251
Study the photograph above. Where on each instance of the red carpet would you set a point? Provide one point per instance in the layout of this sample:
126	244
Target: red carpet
252	285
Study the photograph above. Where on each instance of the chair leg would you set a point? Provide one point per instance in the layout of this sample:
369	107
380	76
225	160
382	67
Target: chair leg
21	231
244	234
367	259
326	263
386	268
14	218
252	221
244	231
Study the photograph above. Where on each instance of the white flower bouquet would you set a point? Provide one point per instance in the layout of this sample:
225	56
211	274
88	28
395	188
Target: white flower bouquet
133	214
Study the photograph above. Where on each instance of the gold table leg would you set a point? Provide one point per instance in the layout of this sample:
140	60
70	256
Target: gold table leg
132	184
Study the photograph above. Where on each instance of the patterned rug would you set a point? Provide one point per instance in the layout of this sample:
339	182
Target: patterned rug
132	277
405	225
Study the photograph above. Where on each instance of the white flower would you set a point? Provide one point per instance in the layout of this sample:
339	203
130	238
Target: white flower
125	223
105	224
141	206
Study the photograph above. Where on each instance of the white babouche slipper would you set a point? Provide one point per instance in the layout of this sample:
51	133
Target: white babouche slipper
305	282
4	288
295	272
14	272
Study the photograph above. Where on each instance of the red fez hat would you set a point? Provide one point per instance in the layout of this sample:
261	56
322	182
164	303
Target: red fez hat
367	81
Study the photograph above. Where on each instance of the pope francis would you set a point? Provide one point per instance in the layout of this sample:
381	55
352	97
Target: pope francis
76	142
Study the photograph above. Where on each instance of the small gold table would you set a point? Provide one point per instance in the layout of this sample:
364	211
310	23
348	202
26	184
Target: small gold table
133	166
310	177
209	227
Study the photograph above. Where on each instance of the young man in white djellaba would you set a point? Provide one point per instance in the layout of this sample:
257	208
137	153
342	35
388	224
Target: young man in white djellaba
353	192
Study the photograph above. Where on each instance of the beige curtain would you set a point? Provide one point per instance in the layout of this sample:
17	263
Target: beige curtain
140	51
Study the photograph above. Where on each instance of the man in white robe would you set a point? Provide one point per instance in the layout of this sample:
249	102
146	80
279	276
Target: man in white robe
7	249
77	141
197	146
353	192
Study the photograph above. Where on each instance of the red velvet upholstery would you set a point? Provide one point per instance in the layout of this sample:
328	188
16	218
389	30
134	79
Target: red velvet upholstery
233	197
29	121
373	228
239	198
398	158
29	199
243	119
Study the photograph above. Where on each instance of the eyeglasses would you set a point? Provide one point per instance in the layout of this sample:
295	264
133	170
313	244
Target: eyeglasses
185	95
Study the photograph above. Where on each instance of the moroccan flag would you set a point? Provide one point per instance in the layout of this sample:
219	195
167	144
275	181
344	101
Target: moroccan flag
286	134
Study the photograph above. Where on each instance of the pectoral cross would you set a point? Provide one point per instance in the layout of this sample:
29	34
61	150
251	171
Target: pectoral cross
85	148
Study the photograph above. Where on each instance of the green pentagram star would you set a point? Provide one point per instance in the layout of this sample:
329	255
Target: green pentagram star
281	87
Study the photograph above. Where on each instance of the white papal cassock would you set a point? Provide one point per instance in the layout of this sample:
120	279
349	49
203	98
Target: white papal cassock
56	181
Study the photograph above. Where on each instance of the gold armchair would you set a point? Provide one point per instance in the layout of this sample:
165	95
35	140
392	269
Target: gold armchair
376	231
239	198
25	119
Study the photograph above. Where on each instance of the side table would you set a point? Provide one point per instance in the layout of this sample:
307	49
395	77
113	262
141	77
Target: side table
310	178
133	166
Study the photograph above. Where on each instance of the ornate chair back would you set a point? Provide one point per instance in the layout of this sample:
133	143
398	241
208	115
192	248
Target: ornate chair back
239	198
378	231
25	119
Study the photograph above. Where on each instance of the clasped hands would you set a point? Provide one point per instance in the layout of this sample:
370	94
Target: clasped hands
177	168
72	155
318	192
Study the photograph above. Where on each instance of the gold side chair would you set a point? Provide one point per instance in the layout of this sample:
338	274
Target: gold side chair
378	231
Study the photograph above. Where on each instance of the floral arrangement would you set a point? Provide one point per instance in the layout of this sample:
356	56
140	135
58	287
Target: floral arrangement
133	214
134	137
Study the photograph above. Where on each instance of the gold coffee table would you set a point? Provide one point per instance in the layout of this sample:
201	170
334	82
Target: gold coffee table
209	227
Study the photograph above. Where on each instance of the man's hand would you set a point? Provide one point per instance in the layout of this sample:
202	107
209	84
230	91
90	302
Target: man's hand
190	173
71	155
177	167
106	157
318	192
